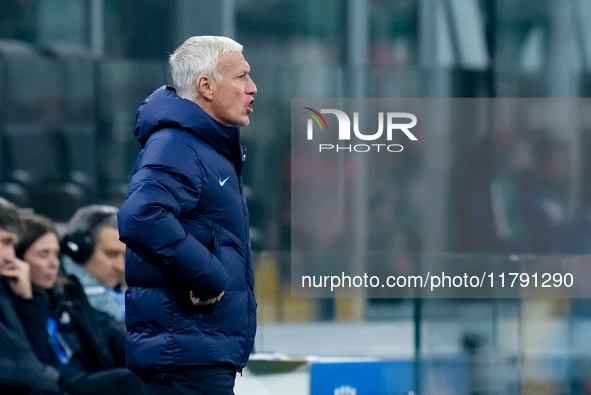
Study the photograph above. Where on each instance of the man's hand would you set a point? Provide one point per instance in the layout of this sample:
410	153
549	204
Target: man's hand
198	302
19	278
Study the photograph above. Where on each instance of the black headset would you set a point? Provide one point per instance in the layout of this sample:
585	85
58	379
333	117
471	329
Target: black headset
80	245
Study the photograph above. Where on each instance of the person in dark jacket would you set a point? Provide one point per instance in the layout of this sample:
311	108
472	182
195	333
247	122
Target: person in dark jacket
21	372
190	307
86	346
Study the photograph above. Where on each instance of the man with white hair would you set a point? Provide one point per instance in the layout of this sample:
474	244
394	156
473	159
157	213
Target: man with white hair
190	307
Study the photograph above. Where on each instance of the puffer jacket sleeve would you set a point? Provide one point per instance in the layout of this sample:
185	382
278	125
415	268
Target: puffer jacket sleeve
168	182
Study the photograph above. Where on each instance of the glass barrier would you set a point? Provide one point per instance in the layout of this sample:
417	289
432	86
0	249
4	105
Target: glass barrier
456	345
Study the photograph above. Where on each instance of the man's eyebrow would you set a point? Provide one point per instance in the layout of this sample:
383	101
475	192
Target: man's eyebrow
9	239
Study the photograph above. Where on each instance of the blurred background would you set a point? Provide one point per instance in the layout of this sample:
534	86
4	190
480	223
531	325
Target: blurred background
73	73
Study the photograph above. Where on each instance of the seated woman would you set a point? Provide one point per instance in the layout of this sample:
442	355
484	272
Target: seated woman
86	346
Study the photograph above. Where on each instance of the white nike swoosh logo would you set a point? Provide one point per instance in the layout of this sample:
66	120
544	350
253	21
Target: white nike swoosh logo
223	182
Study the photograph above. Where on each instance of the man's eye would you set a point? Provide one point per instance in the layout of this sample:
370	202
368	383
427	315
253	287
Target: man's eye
7	242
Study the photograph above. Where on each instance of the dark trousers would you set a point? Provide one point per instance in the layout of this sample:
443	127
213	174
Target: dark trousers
116	381
219	384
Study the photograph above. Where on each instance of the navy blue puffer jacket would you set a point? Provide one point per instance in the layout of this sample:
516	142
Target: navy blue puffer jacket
185	223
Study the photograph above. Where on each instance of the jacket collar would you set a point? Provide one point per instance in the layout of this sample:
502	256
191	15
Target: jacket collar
165	109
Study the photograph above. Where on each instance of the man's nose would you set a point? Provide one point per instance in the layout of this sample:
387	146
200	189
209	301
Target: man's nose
120	263
251	88
8	255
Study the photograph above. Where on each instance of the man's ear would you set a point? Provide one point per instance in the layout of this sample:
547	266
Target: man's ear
204	86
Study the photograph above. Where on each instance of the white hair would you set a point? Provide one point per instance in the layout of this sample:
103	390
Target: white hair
198	56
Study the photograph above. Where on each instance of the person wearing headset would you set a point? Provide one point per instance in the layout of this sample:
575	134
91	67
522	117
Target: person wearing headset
92	252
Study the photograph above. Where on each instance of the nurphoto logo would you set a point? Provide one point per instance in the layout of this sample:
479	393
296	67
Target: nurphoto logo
393	126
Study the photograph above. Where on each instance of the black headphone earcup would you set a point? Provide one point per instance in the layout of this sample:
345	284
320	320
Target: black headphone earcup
77	246
80	245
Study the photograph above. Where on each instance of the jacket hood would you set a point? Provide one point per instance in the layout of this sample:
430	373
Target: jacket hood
165	109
